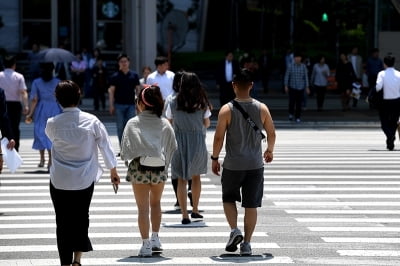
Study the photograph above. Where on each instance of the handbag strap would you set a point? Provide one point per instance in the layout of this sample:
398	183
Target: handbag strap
248	118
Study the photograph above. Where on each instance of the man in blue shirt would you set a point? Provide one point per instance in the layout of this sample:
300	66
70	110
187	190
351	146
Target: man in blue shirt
124	85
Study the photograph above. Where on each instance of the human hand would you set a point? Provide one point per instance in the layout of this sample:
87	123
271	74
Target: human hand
268	156
112	110
215	167
286	89
11	144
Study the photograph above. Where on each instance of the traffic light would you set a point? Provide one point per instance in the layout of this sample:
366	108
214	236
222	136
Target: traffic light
324	17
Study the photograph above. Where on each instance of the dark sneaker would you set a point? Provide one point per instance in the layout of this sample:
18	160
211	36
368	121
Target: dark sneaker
234	239
245	249
195	215
186	221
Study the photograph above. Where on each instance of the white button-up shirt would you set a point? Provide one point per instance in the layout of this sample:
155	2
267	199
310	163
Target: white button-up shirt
13	83
163	81
77	136
389	80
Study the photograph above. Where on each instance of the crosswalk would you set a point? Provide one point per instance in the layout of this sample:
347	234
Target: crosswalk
331	197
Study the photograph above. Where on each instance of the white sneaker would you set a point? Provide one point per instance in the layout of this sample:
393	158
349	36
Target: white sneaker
156	244
145	250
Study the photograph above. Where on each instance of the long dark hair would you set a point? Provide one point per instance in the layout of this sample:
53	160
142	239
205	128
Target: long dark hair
191	96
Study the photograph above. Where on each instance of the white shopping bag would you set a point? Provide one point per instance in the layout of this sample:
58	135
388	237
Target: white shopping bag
11	157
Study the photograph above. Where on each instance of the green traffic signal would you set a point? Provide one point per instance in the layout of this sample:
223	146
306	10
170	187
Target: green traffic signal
324	17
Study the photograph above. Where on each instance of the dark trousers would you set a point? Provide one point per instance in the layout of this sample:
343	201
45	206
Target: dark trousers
14	110
99	97
72	220
389	113
295	102
320	91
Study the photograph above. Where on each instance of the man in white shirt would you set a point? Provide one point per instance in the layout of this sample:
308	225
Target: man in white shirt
162	76
389	81
13	84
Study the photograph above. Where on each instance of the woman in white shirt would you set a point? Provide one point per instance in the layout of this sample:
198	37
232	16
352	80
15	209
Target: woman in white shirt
319	80
76	136
148	142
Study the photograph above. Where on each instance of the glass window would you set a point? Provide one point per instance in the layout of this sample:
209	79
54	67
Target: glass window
36	9
109	25
109	35
36	32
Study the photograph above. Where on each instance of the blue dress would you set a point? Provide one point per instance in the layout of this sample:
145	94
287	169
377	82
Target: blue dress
46	107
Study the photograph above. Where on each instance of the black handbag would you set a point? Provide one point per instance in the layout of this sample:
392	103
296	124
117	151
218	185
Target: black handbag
375	98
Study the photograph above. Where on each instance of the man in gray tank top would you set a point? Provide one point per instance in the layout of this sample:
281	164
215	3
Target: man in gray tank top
243	166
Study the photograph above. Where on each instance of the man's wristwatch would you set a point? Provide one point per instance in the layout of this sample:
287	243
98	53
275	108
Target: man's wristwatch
214	158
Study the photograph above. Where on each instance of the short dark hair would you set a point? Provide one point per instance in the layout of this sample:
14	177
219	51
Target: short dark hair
243	79
152	99
243	76
123	55
160	60
9	61
68	93
389	60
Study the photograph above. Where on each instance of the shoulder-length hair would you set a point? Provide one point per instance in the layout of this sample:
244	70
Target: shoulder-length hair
191	96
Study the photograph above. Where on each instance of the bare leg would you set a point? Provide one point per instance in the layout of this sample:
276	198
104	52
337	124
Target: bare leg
141	192
250	221
77	256
49	162
155	205
196	190
41	163
182	197
231	214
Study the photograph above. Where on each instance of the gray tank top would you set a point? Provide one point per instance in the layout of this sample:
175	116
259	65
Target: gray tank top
243	143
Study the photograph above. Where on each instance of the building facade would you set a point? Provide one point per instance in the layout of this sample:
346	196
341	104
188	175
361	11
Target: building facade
75	25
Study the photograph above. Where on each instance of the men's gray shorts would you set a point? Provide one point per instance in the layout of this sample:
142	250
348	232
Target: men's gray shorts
250	182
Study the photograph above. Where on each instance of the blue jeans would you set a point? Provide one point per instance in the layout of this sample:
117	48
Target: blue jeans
123	112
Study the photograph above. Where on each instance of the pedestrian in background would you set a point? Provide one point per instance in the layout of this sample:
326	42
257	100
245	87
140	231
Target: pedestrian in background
99	83
225	71
43	106
189	113
148	136
146	70
5	127
243	168
296	84
162	76
388	80
345	77
124	85
319	80
78	69
356	61
77	137
13	84
373	67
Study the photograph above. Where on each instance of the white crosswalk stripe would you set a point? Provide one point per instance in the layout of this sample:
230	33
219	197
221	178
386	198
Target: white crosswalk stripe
330	197
27	224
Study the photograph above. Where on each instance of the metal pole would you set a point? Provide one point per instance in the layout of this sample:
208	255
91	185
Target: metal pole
376	23
291	30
